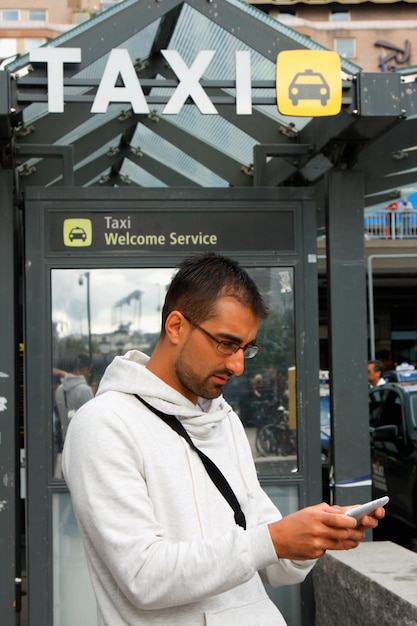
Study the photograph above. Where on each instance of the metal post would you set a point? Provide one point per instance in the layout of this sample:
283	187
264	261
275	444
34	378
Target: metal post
90	345
10	574
348	337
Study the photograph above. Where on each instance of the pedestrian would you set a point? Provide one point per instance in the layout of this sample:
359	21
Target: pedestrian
375	371
167	540
406	208
73	391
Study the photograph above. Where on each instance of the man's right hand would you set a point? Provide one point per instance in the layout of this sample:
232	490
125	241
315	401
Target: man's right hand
308	533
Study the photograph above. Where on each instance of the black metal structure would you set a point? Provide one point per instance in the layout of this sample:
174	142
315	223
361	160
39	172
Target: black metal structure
353	160
122	148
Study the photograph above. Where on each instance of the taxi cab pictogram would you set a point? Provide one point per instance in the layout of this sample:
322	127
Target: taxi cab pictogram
309	85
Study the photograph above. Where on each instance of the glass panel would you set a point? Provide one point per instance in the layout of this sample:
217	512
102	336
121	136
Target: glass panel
264	396
37	15
32	42
10	15
345	47
73	598
288	598
287	14
100	313
339	16
413	405
107	4
8	47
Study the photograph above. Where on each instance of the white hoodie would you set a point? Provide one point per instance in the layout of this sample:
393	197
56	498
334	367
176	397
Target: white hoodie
161	542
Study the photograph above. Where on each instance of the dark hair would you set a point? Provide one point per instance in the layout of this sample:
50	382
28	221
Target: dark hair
202	279
378	366
81	362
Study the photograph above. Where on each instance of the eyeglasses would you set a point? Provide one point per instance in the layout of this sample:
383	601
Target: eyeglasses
228	347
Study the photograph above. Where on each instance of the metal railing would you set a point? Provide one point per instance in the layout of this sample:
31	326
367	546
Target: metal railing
391	224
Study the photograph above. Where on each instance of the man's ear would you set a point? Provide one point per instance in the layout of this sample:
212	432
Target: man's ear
174	326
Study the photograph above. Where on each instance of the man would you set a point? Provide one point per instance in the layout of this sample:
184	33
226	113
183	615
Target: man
406	207
375	371
162	543
73	391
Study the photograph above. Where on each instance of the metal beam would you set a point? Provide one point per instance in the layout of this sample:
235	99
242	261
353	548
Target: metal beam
53	126
262	174
100	166
5	106
348	336
88	143
9	460
162	171
395	141
66	153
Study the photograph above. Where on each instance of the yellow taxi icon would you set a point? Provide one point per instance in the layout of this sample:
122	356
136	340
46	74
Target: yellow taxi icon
309	83
77	232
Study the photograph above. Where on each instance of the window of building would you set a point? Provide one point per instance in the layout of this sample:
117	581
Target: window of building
32	42
107	4
339	15
287	14
345	47
10	15
8	47
37	16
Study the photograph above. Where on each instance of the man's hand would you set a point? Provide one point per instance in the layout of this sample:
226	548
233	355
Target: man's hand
308	533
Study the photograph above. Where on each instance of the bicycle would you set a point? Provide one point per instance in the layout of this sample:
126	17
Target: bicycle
276	438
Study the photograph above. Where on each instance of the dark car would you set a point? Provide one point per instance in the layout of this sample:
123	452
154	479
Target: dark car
393	426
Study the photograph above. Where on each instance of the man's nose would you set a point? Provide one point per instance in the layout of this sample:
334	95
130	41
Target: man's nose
236	363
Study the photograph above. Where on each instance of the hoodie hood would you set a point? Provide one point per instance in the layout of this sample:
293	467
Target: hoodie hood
128	374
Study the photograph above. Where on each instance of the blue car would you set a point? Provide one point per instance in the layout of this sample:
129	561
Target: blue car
325	428
325	431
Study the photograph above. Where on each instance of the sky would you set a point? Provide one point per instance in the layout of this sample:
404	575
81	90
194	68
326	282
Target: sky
117	296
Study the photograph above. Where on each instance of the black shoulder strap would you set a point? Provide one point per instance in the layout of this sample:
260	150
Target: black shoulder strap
215	474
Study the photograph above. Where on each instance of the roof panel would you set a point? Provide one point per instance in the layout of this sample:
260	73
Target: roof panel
220	146
164	151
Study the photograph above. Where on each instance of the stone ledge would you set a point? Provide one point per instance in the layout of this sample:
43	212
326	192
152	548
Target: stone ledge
373	584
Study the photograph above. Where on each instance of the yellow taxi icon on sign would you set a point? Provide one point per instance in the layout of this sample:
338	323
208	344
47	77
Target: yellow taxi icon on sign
309	83
77	232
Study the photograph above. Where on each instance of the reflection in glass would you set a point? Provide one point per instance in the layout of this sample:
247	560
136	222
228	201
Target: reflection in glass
106	312
73	598
264	396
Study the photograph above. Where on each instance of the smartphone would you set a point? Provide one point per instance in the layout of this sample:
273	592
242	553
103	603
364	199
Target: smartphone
367	509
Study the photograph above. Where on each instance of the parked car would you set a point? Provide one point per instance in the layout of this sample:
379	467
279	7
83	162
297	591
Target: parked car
393	428
325	430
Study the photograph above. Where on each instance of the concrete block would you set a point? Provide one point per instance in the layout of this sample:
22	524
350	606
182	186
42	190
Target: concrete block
373	584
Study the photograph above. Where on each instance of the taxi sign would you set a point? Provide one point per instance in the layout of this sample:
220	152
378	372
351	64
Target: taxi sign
309	83
77	232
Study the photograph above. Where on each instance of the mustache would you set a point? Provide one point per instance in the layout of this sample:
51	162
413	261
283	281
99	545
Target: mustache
224	374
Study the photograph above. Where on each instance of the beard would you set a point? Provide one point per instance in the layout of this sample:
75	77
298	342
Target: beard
200	384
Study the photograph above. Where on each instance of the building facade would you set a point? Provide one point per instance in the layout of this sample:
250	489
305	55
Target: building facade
377	36
31	23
